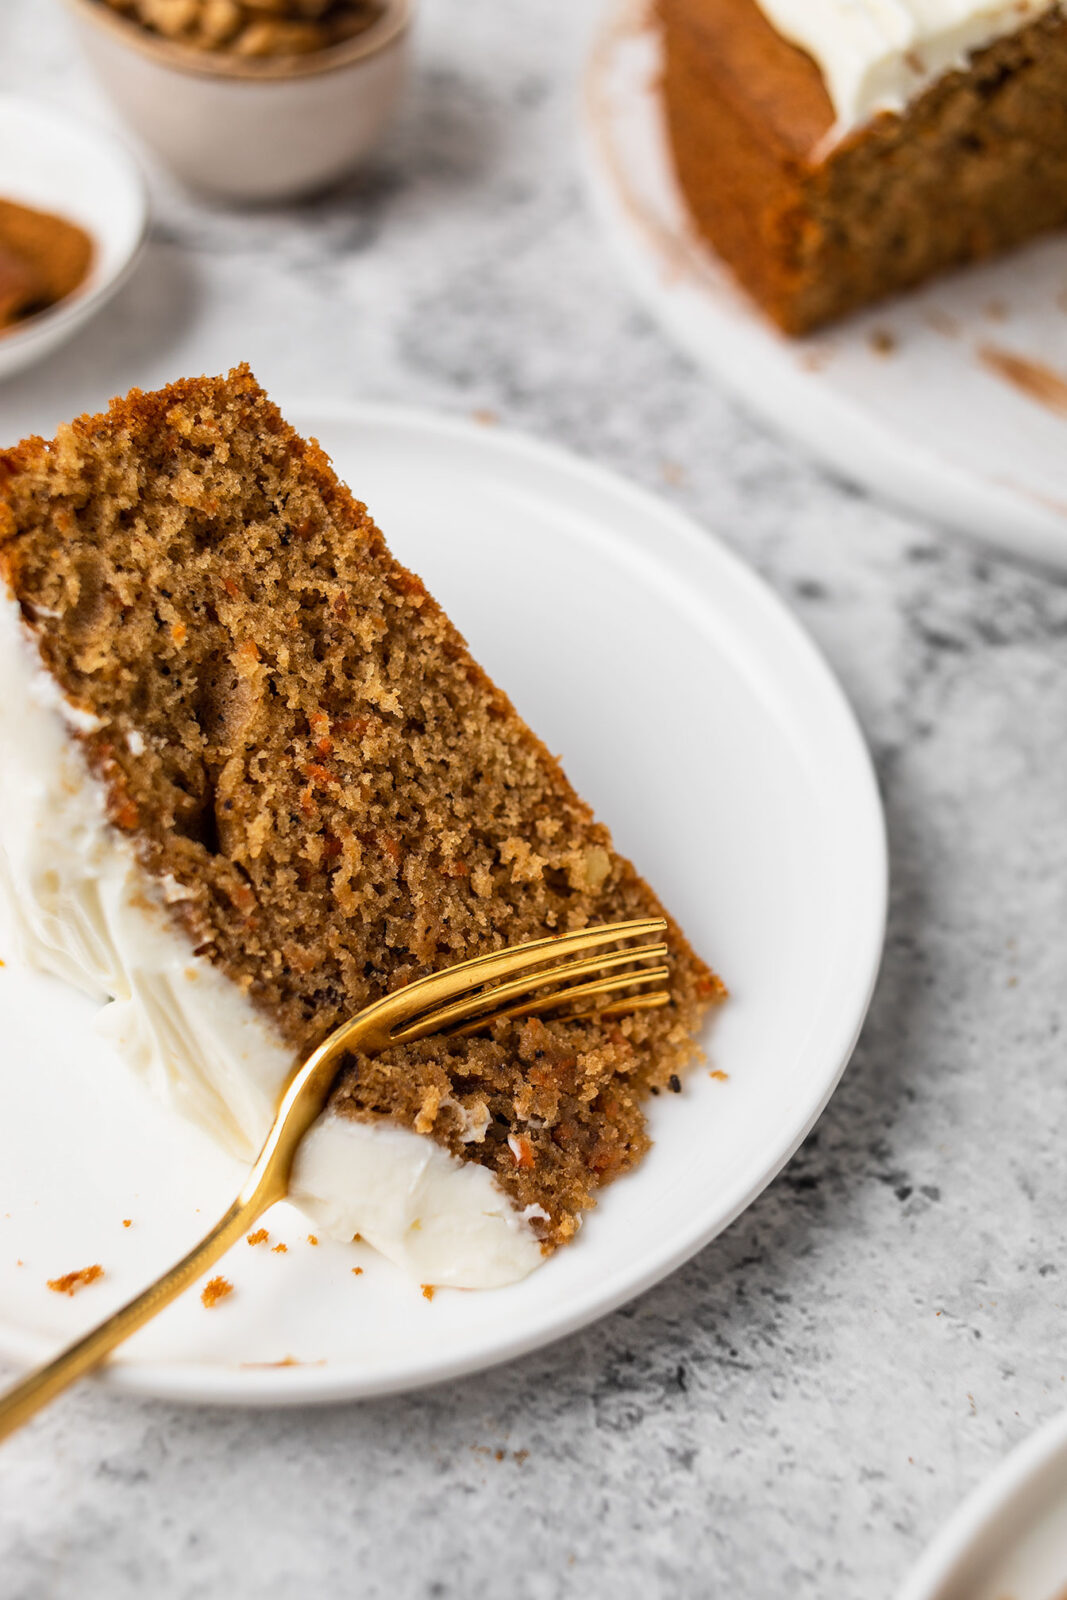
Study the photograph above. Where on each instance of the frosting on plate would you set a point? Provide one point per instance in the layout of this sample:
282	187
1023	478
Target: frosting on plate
84	909
878	55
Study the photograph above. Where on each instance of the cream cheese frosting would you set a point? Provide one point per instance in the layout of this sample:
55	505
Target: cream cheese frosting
878	55
84	909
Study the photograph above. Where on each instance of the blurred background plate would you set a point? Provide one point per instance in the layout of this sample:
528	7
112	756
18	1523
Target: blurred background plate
700	722
61	164
1009	1540
950	402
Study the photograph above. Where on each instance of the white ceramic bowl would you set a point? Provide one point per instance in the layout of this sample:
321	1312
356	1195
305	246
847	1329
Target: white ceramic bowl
57	163
250	130
1009	1540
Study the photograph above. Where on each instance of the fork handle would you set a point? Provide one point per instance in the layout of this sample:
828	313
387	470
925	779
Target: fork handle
27	1397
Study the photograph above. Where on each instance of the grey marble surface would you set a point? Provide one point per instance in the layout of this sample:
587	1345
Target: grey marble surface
798	1409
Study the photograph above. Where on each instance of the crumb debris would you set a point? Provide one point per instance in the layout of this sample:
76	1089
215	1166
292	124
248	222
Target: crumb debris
260	1236
357	1272
127	1222
720	1077
280	1250
214	1290
313	1238
71	1282
882	342
428	1291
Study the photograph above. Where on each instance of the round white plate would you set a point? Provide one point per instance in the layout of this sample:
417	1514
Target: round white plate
950	402
696	717
1009	1540
61	164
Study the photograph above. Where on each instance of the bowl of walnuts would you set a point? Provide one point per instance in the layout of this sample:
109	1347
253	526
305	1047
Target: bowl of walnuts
251	100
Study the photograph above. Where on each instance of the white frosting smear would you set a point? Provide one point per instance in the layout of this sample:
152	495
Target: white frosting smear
878	55
85	910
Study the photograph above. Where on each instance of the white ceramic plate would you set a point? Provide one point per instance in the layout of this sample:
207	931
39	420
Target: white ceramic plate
697	718
951	402
58	163
1009	1540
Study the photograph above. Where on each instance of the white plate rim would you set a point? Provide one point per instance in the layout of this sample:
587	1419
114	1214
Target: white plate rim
791	401
302	1385
1020	1472
48	328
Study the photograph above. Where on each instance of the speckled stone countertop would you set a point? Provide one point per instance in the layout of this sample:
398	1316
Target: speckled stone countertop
797	1410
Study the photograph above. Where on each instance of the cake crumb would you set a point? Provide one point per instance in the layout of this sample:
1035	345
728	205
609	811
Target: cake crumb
882	342
286	1361
487	417
259	1237
428	1291
1031	378
214	1290
313	1238
280	1250
720	1077
127	1222
357	1272
71	1282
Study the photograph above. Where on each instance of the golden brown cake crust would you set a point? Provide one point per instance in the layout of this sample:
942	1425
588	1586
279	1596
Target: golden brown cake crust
296	738
816	230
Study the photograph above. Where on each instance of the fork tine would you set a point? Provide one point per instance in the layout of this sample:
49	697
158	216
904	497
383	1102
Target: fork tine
443	1016
416	1005
622	1008
502	963
530	1007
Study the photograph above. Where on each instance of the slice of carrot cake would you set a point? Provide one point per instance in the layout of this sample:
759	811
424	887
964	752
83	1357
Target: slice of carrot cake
253	781
837	151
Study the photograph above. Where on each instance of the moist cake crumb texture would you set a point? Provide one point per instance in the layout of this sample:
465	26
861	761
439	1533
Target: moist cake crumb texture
330	794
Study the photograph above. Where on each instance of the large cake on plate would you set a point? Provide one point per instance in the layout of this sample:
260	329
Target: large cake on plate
836	151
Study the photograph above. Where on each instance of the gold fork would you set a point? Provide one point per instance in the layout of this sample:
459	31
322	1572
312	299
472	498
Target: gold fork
460	1000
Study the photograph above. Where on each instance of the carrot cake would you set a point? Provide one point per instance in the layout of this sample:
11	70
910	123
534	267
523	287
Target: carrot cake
254	781
837	151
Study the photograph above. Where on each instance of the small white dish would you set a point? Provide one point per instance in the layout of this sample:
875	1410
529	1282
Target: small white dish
58	163
700	722
254	130
950	402
1008	1541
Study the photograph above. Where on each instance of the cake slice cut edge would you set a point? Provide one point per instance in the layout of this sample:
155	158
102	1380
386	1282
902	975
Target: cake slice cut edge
254	781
